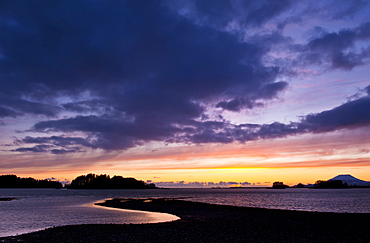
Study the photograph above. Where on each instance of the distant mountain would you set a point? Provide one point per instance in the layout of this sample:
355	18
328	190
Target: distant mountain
350	180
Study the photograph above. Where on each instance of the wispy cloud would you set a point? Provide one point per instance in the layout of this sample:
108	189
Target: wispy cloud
197	184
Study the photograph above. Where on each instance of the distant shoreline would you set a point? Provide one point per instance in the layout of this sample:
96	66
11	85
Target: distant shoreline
202	222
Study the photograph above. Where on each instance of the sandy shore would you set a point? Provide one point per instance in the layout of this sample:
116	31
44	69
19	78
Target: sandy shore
202	222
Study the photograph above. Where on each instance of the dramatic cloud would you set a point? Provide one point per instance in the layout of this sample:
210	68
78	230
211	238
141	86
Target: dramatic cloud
367	89
18	106
349	115
225	14
115	75
339	50
270	91
113	134
4	112
37	149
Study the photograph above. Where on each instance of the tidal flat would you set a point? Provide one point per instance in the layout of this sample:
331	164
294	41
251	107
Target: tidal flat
203	222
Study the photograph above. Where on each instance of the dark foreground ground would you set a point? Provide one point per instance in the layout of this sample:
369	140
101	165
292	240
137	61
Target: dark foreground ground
202	222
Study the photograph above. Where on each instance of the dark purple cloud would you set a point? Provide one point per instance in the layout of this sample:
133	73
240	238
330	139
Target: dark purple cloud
219	13
19	106
349	115
110	135
64	151
55	140
367	89
36	149
236	104
337	49
266	92
123	73
348	9
113	134
5	112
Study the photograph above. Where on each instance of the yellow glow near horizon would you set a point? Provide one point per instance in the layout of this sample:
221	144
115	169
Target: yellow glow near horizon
298	159
265	176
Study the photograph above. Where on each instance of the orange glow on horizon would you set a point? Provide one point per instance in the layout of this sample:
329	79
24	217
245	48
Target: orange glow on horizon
297	159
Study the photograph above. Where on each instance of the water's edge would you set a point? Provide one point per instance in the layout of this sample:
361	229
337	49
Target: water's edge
37	209
147	217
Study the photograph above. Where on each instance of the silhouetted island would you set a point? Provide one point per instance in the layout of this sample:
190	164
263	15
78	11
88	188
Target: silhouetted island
12	181
278	185
330	184
92	181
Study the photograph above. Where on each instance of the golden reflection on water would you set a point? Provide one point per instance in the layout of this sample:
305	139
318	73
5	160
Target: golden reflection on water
143	216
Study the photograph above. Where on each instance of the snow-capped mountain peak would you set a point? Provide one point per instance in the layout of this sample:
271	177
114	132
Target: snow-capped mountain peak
350	180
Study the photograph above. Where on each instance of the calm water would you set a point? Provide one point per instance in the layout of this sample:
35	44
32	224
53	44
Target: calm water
42	208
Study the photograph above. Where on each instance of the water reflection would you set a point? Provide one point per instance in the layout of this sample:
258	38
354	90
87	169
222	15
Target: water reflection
40	211
42	208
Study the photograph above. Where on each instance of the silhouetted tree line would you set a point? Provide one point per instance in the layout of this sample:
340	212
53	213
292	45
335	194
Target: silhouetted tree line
279	185
92	181
330	184
12	181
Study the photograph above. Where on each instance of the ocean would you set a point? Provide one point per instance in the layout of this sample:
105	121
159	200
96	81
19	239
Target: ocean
37	209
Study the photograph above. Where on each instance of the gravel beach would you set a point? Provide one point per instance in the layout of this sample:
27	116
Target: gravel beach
201	222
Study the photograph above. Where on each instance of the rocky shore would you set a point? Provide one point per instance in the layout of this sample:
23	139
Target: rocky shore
201	222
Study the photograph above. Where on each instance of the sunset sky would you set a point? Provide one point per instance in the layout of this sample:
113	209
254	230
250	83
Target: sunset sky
183	92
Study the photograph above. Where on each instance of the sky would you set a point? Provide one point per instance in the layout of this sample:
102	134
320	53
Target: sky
186	93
